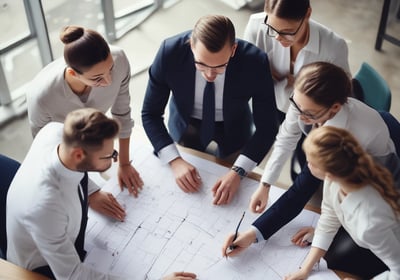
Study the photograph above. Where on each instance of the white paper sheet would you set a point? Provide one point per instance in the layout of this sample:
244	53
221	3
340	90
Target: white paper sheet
168	230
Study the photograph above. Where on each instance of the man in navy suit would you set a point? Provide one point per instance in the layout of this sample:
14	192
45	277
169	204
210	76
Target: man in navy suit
237	72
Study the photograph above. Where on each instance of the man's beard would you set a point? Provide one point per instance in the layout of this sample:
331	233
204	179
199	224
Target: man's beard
86	165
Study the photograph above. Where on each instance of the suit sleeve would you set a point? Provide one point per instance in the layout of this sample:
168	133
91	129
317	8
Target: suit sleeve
264	113
155	101
289	205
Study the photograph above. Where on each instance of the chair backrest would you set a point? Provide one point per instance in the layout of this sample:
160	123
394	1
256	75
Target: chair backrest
8	168
375	90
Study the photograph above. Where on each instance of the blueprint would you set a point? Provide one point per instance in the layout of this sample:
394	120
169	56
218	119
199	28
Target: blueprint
167	230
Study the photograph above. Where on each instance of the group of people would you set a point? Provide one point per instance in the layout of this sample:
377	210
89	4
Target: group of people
237	99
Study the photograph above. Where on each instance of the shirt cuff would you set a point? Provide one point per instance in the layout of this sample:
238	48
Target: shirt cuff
259	236
246	163
168	153
322	241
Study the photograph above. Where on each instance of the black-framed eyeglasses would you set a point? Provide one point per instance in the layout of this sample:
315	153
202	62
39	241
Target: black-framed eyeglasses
272	32
113	156
203	67
305	114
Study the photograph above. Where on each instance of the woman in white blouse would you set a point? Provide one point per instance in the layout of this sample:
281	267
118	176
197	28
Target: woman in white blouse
286	32
359	195
292	39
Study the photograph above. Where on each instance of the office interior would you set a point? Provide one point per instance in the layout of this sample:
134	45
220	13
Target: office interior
29	31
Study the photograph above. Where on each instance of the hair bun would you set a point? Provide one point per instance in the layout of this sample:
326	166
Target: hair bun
71	33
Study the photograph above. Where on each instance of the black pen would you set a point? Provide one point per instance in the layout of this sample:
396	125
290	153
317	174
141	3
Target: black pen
233	247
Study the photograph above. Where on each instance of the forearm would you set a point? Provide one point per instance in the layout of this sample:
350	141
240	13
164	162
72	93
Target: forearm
312	258
289	205
124	157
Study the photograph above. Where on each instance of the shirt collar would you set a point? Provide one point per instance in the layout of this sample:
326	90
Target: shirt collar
313	40
341	117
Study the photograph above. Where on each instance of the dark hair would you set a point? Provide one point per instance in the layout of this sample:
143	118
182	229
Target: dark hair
214	31
337	151
88	128
83	48
287	9
324	82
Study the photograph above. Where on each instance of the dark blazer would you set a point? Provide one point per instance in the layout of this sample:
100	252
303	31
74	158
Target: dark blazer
247	78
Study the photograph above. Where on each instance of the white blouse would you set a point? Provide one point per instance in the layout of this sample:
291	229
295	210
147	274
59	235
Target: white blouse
369	220
323	45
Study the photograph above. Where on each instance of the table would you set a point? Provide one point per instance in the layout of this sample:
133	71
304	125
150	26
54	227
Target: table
257	177
167	230
9	271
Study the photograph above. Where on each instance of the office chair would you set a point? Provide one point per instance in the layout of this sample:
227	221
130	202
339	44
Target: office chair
8	168
371	88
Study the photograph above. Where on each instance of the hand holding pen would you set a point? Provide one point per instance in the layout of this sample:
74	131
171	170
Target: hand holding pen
236	242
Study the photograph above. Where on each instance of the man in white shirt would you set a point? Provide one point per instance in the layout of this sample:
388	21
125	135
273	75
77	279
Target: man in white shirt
44	206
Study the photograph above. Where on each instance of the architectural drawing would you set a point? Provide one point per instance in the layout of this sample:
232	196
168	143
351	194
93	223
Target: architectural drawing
168	230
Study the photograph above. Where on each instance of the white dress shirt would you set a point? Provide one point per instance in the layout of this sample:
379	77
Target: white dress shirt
50	98
362	121
369	220
44	211
323	45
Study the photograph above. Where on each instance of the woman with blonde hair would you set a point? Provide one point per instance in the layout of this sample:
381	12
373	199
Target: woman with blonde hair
359	194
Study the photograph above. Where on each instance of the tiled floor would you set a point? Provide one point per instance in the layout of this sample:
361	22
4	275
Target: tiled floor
356	21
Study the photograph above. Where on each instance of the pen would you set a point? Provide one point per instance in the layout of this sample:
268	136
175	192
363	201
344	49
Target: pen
233	247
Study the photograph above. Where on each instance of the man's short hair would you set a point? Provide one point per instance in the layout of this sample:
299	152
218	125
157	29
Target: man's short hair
88	128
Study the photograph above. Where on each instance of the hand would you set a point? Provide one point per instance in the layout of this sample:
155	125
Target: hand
186	175
303	237
301	274
180	276
106	204
130	178
225	188
243	241
259	199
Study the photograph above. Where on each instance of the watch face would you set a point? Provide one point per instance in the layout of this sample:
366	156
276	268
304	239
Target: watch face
240	171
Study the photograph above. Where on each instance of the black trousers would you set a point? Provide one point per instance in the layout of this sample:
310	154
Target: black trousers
45	271
345	255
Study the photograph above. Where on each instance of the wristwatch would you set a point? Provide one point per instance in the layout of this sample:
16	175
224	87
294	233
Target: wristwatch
240	171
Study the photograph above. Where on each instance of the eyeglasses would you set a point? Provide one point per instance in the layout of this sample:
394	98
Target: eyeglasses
305	114
203	67
272	32
113	156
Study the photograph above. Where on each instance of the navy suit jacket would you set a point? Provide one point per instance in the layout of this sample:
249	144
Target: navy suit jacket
247	78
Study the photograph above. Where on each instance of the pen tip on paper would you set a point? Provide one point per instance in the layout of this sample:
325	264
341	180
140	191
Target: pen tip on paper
232	247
